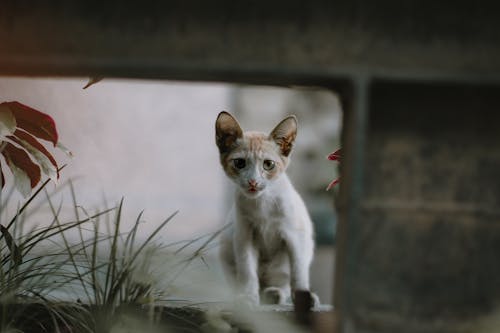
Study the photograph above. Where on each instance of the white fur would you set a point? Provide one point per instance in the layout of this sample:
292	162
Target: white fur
269	247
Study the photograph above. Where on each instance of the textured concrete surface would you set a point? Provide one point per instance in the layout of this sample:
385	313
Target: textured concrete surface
424	251
250	41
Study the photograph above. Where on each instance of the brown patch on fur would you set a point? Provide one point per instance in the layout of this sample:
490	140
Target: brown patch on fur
227	132
255	145
284	134
227	165
255	141
259	142
278	169
286	145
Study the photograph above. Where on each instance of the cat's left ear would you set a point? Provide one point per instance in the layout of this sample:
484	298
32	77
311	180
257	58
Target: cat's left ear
227	132
284	134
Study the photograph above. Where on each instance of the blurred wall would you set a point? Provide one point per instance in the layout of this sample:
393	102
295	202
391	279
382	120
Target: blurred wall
151	142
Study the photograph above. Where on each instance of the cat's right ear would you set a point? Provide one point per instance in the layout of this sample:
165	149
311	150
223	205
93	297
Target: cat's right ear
227	131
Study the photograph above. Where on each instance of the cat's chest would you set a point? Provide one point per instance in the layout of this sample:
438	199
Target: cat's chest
268	240
267	213
266	221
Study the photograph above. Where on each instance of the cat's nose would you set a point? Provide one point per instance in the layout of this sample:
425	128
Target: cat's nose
252	182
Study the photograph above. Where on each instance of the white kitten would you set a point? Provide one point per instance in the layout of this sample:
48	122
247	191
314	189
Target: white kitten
269	247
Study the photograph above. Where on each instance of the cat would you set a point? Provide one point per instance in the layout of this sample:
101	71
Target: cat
269	246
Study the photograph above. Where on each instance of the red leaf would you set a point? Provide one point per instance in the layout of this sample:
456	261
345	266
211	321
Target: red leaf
21	159
335	156
33	121
333	183
20	136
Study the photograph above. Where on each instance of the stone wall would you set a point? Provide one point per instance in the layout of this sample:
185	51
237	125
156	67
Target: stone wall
422	248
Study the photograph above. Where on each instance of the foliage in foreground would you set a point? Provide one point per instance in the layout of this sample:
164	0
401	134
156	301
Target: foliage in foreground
102	282
75	277
21	127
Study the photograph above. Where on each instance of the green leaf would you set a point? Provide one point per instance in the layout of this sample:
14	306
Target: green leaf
38	152
7	121
92	81
26	173
2	177
64	149
15	252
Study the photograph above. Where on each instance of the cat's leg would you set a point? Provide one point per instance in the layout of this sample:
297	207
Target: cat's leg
246	260
275	280
300	250
300	261
226	254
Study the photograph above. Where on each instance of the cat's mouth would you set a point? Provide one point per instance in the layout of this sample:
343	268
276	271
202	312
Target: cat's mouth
253	190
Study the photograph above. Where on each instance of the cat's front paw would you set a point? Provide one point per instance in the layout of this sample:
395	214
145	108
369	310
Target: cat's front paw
315	299
305	300
273	295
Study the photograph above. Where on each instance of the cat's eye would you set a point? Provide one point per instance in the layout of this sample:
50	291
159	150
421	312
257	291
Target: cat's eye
239	163
268	165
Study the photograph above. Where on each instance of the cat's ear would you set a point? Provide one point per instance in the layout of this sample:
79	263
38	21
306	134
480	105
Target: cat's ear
227	131
284	134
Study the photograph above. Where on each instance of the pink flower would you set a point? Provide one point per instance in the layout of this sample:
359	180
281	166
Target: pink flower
335	156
